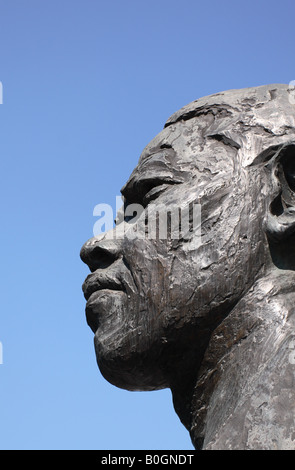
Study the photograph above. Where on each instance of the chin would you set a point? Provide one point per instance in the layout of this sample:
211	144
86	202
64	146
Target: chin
123	366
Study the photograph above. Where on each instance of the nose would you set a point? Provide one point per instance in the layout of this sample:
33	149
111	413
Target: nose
100	253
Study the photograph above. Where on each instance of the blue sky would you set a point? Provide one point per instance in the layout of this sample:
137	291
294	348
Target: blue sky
86	85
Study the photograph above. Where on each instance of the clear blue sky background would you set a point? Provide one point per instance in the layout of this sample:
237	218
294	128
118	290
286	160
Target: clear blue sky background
86	85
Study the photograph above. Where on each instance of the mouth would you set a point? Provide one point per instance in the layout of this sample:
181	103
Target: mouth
99	280
94	287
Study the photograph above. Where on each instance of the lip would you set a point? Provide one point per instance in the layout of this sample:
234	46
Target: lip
98	281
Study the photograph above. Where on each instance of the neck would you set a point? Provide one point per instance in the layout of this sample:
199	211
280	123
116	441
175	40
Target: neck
243	396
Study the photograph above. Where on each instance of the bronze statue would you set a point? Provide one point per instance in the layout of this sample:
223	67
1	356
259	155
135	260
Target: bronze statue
212	320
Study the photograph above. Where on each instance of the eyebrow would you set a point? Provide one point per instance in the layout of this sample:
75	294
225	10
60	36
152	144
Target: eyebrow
225	140
216	110
134	190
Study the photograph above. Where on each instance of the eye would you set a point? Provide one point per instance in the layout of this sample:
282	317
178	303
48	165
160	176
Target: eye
153	193
148	190
143	191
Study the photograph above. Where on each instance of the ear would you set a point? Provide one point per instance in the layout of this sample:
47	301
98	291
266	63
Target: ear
280	219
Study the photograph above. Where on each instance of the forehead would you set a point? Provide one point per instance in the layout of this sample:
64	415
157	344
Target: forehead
187	147
219	133
249	120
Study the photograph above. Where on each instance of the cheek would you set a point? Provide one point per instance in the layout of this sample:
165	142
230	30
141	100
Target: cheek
221	269
150	263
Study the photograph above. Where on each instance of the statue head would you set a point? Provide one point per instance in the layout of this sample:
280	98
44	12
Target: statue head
153	302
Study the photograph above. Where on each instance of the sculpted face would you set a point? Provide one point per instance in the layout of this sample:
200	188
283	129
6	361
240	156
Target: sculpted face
153	303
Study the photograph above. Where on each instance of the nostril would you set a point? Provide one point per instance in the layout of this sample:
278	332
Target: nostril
97	257
100	259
